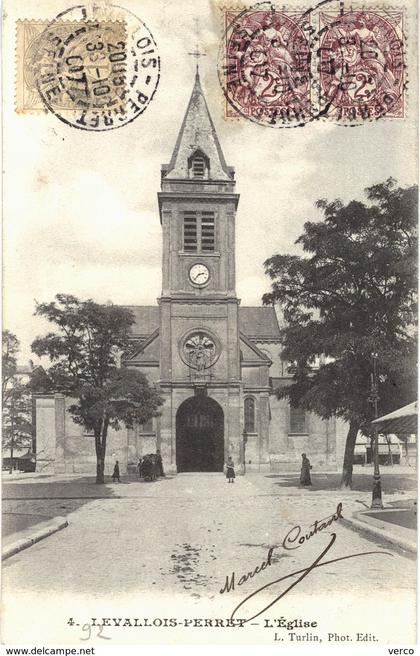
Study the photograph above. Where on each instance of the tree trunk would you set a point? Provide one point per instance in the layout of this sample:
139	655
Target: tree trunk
101	433
347	477
100	466
11	455
100	460
12	443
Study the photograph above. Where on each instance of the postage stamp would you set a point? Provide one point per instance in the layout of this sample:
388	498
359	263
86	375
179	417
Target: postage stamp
282	67
361	63
92	72
267	69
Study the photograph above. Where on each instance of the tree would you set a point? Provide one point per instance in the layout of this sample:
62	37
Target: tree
352	297
85	352
10	349
17	426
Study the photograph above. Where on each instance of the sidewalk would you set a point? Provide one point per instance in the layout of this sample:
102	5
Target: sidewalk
396	523
31	534
17	522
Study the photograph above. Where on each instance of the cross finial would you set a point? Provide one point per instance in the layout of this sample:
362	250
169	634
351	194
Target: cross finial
197	54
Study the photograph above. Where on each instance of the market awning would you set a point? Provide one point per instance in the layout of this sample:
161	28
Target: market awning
403	420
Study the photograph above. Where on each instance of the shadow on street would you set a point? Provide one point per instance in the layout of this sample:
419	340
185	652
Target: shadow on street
392	482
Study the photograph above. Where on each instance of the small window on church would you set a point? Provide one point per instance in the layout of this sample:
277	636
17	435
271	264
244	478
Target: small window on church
198	166
147	427
249	411
297	421
190	232
207	231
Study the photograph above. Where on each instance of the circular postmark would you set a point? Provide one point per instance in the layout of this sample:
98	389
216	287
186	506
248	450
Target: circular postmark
283	67
361	64
266	68
95	69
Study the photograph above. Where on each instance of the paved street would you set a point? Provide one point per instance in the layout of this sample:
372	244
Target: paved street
184	535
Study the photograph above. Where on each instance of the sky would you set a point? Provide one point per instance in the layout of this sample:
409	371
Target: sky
80	208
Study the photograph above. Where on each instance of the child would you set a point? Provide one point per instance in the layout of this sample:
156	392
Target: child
116	472
230	470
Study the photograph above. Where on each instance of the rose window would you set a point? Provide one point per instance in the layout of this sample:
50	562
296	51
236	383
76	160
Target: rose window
199	350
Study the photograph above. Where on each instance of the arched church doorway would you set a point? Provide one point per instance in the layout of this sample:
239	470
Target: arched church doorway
199	435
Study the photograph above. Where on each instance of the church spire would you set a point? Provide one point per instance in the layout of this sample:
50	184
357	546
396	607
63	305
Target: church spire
198	135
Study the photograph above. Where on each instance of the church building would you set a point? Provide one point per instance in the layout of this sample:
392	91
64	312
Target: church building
216	362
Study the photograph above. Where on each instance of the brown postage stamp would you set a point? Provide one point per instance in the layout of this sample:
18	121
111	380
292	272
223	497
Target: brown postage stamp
68	63
92	74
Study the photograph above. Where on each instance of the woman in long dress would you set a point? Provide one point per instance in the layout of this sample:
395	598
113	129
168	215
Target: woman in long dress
230	470
305	475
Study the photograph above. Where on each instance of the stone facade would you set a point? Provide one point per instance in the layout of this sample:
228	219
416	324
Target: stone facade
215	362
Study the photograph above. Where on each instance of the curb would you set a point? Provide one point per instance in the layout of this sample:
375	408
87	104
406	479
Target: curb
28	537
379	532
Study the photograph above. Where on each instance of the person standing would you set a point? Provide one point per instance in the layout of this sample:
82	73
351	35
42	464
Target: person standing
139	467
230	470
116	472
159	464
305	472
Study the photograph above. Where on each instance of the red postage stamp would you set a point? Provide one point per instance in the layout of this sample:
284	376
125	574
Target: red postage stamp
266	73
361	63
284	67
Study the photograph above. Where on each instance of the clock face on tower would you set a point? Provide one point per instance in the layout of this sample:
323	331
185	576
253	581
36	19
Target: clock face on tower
199	274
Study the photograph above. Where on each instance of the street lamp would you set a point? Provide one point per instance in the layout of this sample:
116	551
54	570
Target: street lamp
377	488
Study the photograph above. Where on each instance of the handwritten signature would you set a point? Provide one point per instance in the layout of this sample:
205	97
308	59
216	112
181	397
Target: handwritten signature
292	540
294	535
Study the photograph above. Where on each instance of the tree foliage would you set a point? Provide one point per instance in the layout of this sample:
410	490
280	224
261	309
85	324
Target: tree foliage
10	349
85	353
352	296
17	405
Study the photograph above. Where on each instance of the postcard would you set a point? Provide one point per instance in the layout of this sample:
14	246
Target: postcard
209	384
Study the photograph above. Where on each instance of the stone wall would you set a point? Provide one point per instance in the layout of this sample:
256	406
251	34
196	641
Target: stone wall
319	441
64	447
45	434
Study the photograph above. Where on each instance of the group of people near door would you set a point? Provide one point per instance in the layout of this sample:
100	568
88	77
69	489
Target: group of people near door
150	467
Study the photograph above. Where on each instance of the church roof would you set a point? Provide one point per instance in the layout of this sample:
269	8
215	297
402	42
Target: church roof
147	319
198	133
257	323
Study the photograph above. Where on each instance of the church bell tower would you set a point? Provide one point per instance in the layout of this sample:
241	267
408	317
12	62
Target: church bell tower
197	209
199	335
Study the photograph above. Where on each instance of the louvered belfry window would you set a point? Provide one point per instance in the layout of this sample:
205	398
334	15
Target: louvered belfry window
198	166
207	231
190	232
199	232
